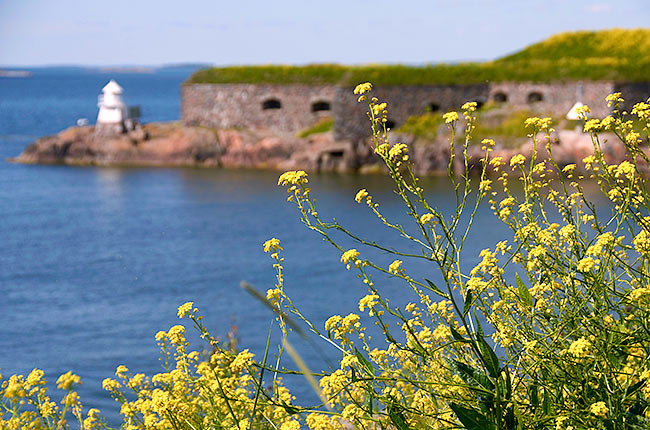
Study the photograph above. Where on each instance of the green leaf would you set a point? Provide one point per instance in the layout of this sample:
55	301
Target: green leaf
479	328
369	405
397	416
468	302
524	294
435	289
534	398
365	363
508	380
470	374
291	410
354	378
457	336
546	403
471	418
489	357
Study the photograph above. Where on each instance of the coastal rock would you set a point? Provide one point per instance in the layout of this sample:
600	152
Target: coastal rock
173	144
153	144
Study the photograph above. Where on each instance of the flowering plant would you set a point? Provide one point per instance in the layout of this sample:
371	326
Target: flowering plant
550	330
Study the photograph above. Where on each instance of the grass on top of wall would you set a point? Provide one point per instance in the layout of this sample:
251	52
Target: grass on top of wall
322	126
617	54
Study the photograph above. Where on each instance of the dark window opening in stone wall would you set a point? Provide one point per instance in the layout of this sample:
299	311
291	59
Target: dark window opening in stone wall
535	97
271	104
432	107
500	97
320	106
390	124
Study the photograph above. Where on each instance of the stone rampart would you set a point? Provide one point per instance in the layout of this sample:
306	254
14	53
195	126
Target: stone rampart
280	108
351	121
554	99
287	109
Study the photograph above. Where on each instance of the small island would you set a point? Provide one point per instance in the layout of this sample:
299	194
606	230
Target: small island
307	117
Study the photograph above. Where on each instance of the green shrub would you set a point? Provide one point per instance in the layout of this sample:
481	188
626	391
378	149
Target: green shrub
322	126
425	125
550	330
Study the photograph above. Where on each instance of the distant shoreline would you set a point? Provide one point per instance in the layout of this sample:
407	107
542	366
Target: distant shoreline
15	74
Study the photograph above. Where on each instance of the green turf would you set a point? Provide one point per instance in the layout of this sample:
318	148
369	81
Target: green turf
617	54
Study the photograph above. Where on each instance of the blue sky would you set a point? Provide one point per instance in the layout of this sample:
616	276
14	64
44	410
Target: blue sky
41	32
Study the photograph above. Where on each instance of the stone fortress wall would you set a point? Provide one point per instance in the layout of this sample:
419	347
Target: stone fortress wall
282	108
287	109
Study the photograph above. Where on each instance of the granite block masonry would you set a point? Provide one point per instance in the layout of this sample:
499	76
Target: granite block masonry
288	109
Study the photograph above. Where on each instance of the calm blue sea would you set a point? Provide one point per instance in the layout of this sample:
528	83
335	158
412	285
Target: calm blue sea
95	260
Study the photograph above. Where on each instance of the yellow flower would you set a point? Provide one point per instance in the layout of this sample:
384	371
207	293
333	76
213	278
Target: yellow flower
397	150
368	302
48	408
290	425
109	384
362	194
614	99
378	109
184	309
592	126
487	144
35	377
66	381
484	186
469	106
272	244
588	161
363	88
382	150
14	388
569	168
273	295
599	409
426	218
450	117
350	254
176	334
395	267
71	399
293	177
642	243
586	264
580	347
517	160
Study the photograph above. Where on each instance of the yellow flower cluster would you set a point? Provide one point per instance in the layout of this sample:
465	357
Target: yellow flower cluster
185	309
398	151
580	347
427	218
349	255
272	244
517	160
539	123
599	409
362	194
369	302
395	267
363	88
67	380
450	117
293	177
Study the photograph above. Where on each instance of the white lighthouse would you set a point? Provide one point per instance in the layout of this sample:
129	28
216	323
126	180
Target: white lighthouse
112	110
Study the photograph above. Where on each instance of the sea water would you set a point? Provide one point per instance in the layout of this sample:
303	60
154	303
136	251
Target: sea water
95	260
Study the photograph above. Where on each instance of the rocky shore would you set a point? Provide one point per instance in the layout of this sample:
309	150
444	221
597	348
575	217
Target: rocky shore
173	144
